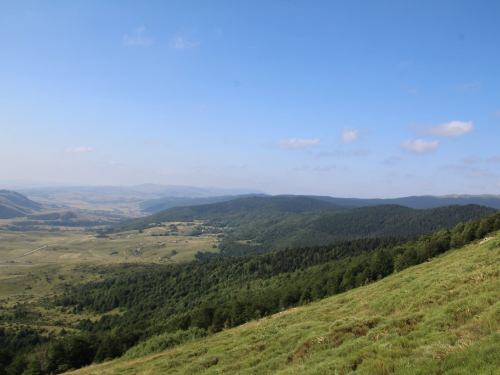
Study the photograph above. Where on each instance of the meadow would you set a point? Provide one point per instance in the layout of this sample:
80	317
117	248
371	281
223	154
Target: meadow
37	264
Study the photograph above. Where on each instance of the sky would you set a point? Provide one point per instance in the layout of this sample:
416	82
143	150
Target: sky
340	98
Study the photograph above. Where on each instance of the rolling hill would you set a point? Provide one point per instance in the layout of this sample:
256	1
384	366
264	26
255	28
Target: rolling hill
13	205
236	211
417	202
262	224
156	205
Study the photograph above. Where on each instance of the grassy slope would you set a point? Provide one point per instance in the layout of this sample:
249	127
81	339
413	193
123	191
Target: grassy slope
439	317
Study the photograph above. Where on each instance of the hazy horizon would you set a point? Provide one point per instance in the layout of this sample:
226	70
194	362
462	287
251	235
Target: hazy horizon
345	99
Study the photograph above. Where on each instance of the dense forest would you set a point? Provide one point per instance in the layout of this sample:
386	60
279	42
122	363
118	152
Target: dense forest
322	227
190	300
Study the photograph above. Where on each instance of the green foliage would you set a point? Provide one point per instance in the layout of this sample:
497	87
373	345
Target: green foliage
159	343
441	317
210	296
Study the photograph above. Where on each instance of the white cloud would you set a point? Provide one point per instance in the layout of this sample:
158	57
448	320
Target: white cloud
450	129
351	135
180	42
494	158
419	146
79	150
137	38
297	144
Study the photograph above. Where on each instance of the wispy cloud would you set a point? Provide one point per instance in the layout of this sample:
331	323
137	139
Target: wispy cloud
342	153
468	170
470	88
495	158
471	159
408	89
419	146
78	150
297	144
450	129
307	168
183	42
350	135
496	114
137	38
393	160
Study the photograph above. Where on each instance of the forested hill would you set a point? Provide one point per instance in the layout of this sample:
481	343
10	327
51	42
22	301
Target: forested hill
420	202
256	225
13	204
156	205
238	211
322	227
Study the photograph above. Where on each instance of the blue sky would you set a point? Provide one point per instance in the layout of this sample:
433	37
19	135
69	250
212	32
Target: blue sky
339	98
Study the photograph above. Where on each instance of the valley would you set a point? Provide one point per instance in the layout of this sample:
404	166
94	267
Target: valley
135	287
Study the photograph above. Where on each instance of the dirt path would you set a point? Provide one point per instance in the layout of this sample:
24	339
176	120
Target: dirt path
28	253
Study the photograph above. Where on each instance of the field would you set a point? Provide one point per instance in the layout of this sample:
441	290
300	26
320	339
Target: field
36	264
441	317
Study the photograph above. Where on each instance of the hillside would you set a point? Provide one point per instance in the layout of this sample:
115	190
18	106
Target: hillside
327	226
256	225
129	305
13	205
442	316
236	211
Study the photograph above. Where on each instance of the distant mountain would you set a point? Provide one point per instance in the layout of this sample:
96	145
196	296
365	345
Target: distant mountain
13	204
128	194
160	204
419	202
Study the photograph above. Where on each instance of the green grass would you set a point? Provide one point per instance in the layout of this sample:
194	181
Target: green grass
441	317
69	258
